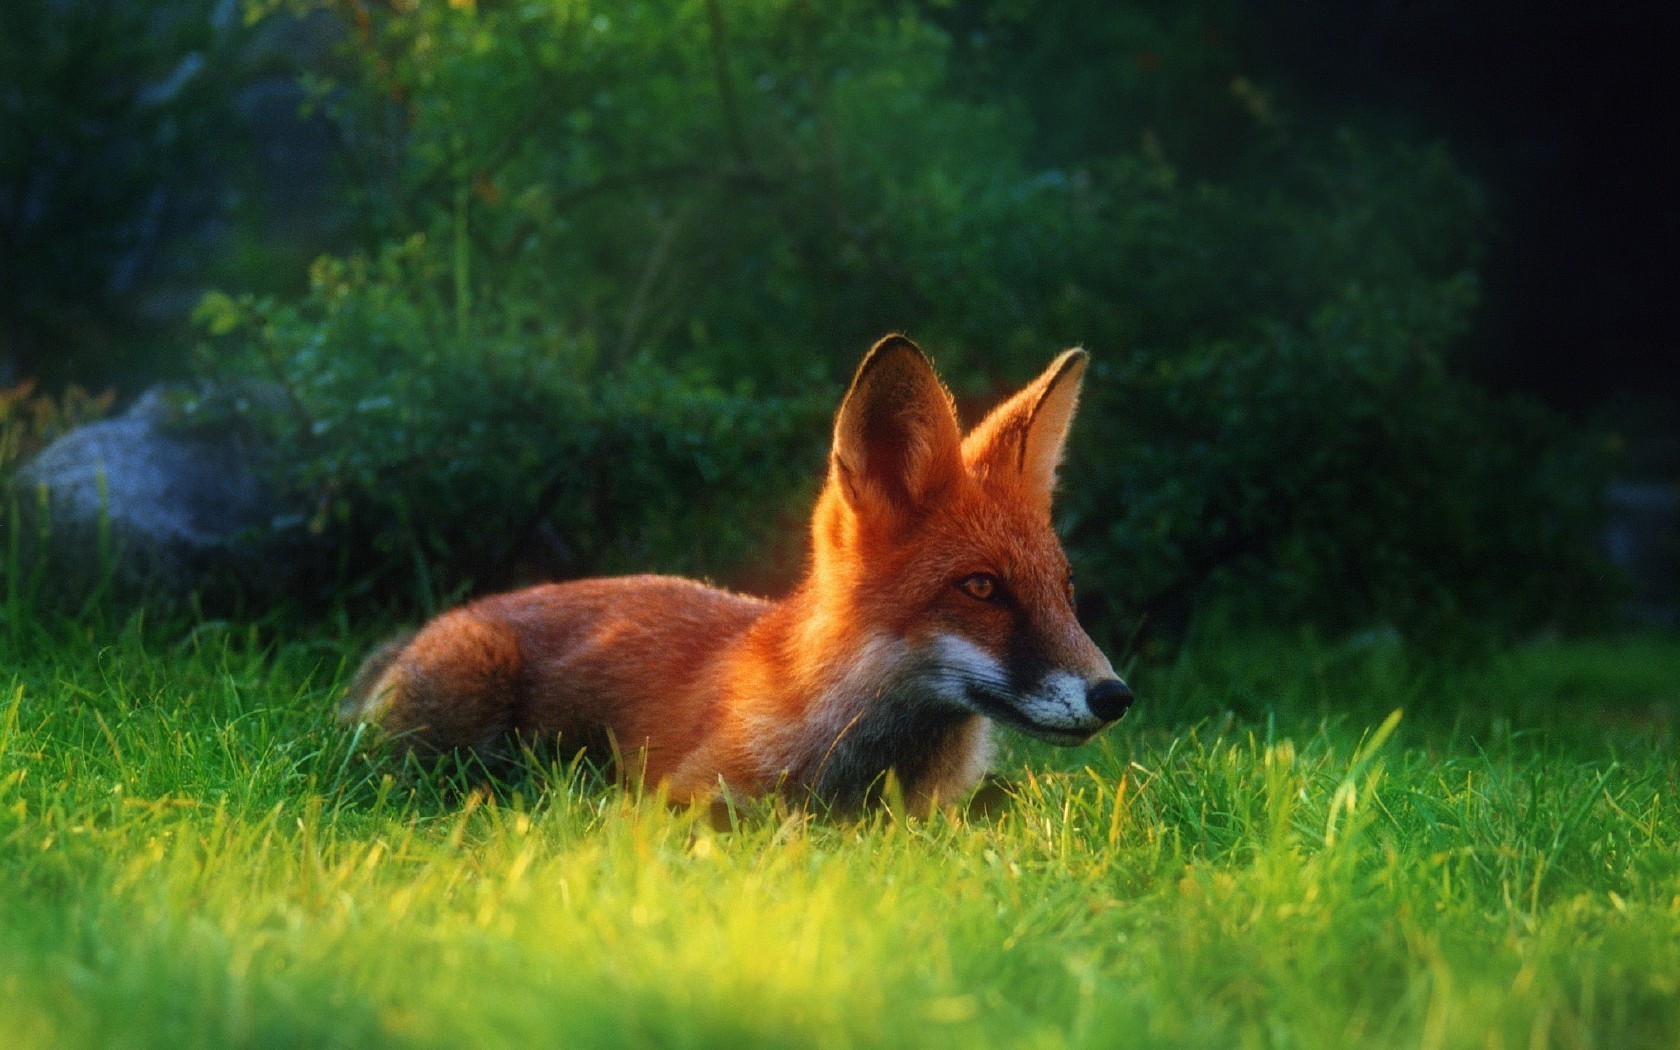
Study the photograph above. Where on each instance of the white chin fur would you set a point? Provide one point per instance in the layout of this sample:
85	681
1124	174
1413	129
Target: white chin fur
1057	705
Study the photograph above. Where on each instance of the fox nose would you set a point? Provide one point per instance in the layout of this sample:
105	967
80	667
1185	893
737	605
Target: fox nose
1109	698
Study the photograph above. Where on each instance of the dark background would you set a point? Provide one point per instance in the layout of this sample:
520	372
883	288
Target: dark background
1567	113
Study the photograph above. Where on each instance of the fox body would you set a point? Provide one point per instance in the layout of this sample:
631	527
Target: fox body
938	600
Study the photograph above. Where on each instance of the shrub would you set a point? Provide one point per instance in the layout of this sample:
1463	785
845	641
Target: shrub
30	420
1333	472
585	214
431	458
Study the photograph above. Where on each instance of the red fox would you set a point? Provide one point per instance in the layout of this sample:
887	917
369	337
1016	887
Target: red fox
938	601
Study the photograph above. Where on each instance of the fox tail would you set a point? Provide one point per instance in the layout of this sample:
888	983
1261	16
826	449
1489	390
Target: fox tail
353	706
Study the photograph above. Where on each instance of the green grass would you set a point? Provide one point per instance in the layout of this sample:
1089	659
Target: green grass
191	854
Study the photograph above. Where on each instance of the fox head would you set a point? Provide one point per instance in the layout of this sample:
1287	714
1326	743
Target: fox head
943	544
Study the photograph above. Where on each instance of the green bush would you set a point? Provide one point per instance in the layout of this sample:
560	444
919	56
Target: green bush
430	461
581	217
1333	472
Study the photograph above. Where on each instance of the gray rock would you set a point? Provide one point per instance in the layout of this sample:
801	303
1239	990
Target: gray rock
155	508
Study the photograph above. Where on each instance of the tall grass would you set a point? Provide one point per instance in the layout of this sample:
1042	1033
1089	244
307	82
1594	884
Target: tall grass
1287	844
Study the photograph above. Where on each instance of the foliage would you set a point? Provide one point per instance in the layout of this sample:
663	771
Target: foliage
30	421
754	192
424	454
675	181
1336	473
1283	430
193	857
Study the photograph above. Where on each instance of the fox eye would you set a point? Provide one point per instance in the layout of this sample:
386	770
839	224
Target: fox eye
981	585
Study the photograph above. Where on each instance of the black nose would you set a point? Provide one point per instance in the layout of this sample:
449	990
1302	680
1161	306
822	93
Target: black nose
1109	699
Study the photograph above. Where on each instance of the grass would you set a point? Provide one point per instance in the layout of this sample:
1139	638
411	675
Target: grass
1263	855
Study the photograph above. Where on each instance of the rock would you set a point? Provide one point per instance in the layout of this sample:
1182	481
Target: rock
156	509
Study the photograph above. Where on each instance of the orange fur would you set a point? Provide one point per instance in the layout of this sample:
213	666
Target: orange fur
938	600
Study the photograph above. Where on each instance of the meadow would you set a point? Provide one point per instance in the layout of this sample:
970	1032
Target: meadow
1288	843
564	288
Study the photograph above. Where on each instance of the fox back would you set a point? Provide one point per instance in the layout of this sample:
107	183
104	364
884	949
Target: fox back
938	601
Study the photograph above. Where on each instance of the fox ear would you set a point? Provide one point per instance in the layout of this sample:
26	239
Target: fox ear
896	439
1022	438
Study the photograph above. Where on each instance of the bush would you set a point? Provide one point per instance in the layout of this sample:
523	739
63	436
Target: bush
430	459
1335	473
586	215
30	420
